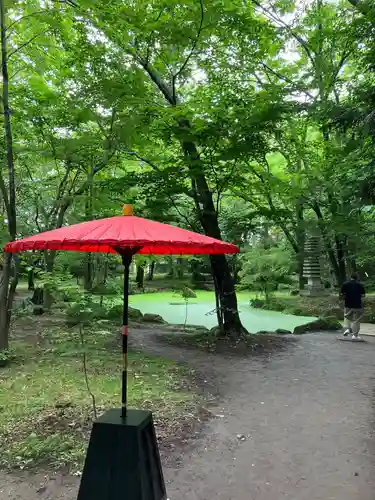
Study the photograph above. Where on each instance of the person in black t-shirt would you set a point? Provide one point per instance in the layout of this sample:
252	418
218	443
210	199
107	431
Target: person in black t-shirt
353	292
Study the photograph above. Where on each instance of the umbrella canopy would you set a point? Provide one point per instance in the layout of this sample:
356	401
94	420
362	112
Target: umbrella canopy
126	236
119	234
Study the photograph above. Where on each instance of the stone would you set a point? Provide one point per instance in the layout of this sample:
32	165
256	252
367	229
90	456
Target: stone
116	313
312	269
319	325
153	318
134	313
280	331
188	293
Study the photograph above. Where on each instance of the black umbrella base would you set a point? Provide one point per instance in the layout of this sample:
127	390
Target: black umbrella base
123	461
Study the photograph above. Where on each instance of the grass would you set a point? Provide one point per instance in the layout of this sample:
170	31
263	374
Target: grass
46	411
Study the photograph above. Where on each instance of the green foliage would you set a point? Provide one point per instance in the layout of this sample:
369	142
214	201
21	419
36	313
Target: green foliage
84	312
6	356
265	269
278	109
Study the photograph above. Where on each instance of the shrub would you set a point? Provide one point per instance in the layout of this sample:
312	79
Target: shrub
265	270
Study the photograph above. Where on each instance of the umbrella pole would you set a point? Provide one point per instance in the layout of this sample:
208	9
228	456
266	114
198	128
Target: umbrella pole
112	470
126	260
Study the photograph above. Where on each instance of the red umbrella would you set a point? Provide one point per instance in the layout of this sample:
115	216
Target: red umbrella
126	236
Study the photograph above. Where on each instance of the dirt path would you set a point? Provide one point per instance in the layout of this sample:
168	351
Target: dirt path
298	424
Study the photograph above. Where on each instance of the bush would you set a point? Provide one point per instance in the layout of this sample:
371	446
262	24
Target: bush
271	304
83	312
265	270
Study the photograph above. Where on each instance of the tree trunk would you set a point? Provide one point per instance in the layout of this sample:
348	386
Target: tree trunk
209	219
340	249
8	284
170	273
219	311
49	259
89	272
105	276
4	326
228	300
151	269
30	280
140	276
180	268
196	276
266	236
204	205
353	265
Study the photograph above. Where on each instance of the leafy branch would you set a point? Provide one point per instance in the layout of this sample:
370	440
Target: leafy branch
192	50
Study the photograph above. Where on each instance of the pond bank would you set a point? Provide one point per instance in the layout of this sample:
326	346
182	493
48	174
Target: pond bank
201	311
325	306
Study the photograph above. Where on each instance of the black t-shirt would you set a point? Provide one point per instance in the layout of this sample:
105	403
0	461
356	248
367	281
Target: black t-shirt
353	291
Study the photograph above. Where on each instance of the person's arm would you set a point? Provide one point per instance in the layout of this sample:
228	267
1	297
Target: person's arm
363	291
342	292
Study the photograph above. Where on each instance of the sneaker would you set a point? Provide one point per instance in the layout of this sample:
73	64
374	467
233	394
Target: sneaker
356	337
346	333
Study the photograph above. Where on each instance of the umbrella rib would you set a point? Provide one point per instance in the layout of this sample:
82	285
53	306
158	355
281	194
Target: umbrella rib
100	237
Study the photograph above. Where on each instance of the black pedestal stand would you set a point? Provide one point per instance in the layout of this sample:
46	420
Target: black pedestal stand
123	461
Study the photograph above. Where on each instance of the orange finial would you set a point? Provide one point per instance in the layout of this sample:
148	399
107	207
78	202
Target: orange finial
127	210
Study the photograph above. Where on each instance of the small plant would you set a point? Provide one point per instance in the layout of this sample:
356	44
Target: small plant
81	313
6	357
186	293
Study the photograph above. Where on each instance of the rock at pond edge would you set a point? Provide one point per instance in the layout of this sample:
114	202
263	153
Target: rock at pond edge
281	331
318	325
153	318
134	313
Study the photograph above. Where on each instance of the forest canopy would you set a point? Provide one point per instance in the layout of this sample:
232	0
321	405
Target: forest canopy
244	120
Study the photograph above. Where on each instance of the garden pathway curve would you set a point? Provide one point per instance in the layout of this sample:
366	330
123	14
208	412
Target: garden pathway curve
297	424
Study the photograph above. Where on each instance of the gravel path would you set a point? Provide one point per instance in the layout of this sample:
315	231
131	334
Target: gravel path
298	424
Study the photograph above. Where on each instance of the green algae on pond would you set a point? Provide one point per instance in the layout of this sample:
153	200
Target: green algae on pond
201	311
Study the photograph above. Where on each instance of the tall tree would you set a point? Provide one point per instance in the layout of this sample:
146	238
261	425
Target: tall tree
8	282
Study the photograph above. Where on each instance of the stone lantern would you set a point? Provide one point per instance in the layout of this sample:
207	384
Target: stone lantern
311	267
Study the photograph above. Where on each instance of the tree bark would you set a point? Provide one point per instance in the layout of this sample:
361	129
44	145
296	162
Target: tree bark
30	280
204	206
8	284
219	311
209	219
180	268
140	276
170	272
196	276
150	273
340	250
